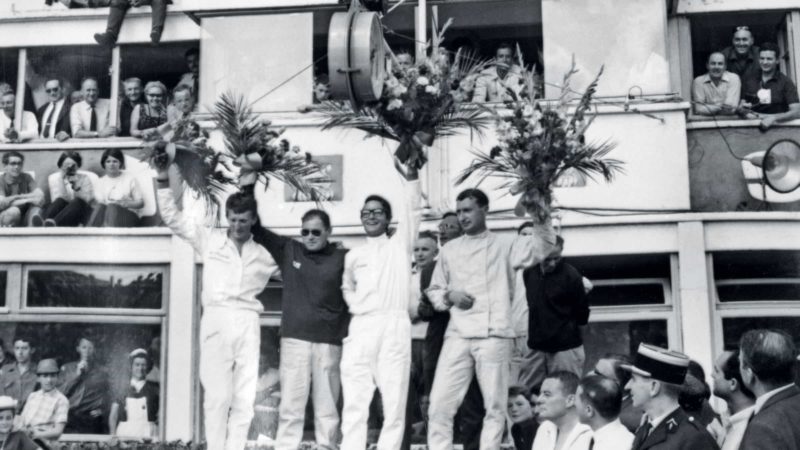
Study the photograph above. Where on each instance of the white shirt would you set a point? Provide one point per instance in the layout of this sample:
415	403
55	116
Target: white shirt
377	275
29	130
612	436
80	116
735	429
53	110
484	266
230	280
760	401
578	438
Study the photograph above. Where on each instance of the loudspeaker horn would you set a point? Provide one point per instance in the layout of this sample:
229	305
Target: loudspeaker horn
780	165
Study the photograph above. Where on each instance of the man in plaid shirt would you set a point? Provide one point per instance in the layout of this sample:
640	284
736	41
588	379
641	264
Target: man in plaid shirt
45	412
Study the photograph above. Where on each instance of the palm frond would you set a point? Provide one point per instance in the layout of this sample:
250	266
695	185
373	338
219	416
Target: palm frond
341	115
474	118
591	160
242	131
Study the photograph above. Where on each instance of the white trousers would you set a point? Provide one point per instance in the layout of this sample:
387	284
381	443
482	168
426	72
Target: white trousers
376	353
308	366
229	352
460	360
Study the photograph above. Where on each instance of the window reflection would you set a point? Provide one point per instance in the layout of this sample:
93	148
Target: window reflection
624	338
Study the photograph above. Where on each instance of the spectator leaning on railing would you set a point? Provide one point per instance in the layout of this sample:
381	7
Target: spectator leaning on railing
132	98
8	133
91	118
742	56
148	117
716	92
54	115
768	94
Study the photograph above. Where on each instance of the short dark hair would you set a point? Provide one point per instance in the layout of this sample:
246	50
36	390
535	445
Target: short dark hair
319	214
505	44
24	338
604	394
240	203
114	153
515	390
770	47
569	381
387	207
428	235
8	155
694	393
771	354
85	79
192	51
622	375
57	79
71	154
181	88
476	194
732	371
523	225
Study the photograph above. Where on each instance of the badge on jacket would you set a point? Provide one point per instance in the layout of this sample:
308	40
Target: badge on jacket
296	264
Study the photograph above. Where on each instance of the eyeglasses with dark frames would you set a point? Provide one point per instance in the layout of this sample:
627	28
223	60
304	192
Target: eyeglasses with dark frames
305	232
52	90
366	213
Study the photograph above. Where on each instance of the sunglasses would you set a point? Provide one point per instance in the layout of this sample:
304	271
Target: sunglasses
52	90
315	233
365	213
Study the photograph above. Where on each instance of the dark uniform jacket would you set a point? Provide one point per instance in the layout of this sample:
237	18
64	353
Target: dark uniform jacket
777	424
677	431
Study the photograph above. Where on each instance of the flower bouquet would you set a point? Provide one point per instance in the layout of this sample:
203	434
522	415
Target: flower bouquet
540	142
418	104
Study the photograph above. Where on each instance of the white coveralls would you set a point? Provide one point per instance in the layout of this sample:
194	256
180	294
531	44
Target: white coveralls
478	340
377	350
230	335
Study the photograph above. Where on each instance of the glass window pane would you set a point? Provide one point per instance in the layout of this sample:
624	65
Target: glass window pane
9	60
600	338
757	275
758	291
625	279
734	328
109	363
96	287
165	63
626	294
270	297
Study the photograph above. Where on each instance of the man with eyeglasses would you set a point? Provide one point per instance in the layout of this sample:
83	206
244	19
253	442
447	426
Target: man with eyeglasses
378	290
20	197
91	118
742	56
54	115
313	324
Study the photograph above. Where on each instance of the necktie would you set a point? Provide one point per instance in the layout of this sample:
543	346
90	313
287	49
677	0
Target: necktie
49	121
93	123
641	435
591	444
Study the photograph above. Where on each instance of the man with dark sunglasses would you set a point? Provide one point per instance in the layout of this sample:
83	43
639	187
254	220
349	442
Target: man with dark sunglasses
54	115
314	322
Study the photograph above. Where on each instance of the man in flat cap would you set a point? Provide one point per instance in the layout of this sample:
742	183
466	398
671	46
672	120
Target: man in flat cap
656	378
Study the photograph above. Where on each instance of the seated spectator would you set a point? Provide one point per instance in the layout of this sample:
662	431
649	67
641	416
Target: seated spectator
179	116
146	118
91	118
192	77
54	115
524	424
495	84
717	92
12	440
29	128
117	194
132	98
742	56
45	413
116	15
135	414
768	94
87	387
20	198
71	194
19	379
599	402
561	428
322	89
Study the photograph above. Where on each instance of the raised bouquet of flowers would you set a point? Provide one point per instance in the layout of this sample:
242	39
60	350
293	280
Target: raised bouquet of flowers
253	151
418	104
540	142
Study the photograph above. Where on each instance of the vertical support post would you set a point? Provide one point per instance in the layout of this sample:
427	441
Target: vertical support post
421	28
179	377
695	306
115	75
22	58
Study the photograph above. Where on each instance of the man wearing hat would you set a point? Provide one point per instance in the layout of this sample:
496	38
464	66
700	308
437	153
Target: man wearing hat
656	378
45	413
12	440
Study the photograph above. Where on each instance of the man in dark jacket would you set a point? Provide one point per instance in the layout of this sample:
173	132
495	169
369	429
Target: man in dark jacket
53	116
558	309
314	322
767	362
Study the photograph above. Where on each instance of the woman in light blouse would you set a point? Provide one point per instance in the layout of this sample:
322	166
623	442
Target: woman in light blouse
71	193
117	194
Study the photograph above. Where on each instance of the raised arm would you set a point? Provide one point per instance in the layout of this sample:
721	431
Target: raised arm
528	251
187	229
273	242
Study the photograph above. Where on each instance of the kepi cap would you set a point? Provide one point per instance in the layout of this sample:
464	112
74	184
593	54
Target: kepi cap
47	366
7	402
659	363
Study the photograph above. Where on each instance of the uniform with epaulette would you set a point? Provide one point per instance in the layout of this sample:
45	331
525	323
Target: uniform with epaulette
676	430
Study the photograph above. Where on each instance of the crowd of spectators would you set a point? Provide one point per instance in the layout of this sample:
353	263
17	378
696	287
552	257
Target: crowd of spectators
48	400
745	81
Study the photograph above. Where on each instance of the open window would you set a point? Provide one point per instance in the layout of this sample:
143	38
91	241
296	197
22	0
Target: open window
71	64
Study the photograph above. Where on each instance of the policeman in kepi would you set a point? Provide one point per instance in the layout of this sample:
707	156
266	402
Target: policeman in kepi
656	378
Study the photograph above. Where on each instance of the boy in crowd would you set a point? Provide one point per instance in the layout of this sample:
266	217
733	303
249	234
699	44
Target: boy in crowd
19	380
12	440
523	419
45	413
